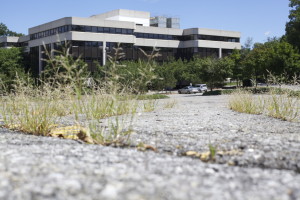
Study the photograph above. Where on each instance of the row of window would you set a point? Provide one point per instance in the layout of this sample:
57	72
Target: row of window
9	44
79	28
54	31
186	38
157	36
95	29
217	38
210	37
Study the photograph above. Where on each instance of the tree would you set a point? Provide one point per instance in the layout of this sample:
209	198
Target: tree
11	66
214	71
237	68
293	26
255	63
165	76
283	58
4	31
276	56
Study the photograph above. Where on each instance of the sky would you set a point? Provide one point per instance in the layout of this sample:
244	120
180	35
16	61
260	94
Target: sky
256	19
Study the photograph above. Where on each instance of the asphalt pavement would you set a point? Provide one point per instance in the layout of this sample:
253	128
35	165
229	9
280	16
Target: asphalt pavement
257	157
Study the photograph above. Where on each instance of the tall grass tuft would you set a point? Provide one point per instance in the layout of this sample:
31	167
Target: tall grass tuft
277	103
62	93
245	102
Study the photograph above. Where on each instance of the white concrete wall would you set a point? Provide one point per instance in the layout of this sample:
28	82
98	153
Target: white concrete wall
210	44
139	17
215	32
9	39
157	43
81	21
144	22
51	39
102	23
25	38
50	25
103	37
159	30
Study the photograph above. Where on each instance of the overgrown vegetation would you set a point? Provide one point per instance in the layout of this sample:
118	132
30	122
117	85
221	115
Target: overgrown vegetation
11	67
277	103
62	94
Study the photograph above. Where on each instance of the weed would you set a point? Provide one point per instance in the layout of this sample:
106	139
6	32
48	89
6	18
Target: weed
149	105
62	91
114	134
277	103
245	102
170	104
212	151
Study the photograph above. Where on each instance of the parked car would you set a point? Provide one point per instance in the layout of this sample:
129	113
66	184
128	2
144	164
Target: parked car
188	90
201	87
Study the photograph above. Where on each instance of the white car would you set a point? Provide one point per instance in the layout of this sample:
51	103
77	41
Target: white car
201	87
188	90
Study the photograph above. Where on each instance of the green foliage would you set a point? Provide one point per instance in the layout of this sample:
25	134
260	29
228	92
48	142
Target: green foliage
166	76
292	27
238	58
130	76
63	69
152	97
259	90
11	66
214	71
4	31
276	56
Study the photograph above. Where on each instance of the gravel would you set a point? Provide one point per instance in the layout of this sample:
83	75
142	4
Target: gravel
259	158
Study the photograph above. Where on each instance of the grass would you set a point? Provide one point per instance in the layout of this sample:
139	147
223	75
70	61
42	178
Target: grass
149	105
170	104
245	102
280	104
152	96
38	109
258	90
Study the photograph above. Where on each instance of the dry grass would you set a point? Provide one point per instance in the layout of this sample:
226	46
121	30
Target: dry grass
38	109
282	106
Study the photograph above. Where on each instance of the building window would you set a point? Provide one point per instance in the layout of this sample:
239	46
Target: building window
100	29
112	30
118	30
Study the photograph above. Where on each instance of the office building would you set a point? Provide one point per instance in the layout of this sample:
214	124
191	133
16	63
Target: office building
93	38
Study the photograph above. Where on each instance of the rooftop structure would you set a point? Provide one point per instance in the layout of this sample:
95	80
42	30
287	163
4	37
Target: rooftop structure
138	17
164	22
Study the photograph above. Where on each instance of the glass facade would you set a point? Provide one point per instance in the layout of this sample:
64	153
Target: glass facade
9	44
158	21
164	22
173	23
209	37
54	31
156	36
80	28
